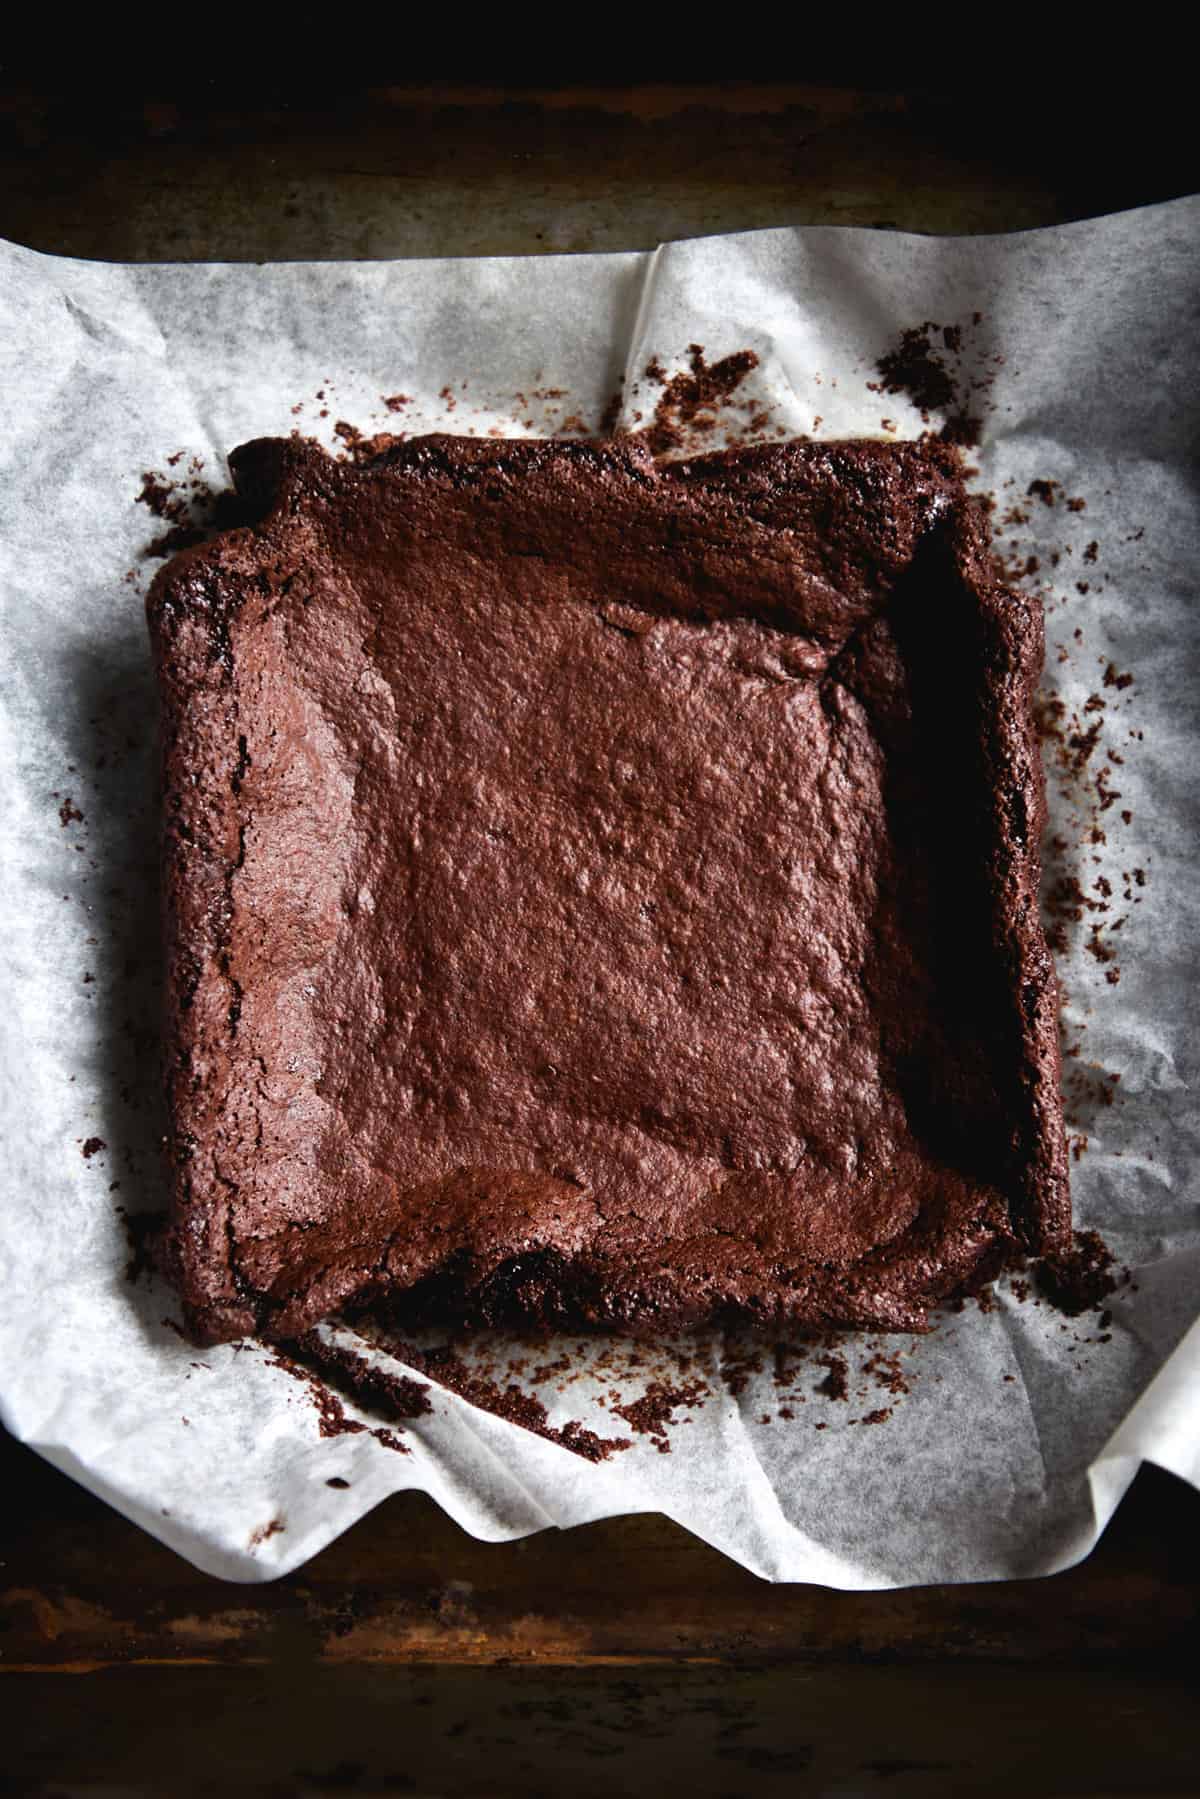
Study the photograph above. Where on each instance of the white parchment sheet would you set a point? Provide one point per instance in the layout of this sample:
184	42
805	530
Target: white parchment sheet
109	370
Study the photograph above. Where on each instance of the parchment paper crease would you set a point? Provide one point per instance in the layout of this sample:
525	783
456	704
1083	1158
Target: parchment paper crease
107	370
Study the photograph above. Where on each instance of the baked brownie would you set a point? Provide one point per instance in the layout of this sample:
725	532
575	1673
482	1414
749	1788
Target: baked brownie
601	893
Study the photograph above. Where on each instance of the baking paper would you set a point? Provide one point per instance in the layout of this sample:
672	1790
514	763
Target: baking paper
1019	1430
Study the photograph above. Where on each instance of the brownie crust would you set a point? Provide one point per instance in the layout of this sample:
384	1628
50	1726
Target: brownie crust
602	893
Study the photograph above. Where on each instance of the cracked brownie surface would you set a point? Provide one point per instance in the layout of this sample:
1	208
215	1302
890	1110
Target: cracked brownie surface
602	893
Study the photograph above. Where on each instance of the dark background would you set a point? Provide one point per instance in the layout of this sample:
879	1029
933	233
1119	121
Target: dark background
453	162
625	1658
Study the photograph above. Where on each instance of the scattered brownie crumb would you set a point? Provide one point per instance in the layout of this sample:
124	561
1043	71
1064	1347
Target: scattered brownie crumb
191	508
653	1414
887	1372
335	1480
1097	945
836	1384
546	1371
690	401
1079	1279
917	368
879	1416
396	1395
363	448
92	1146
331	1414
393	402
787	1357
69	813
161	496
447	1368
740	1361
265	1531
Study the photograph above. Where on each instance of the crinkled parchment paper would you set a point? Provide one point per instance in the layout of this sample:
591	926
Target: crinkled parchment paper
1019	1430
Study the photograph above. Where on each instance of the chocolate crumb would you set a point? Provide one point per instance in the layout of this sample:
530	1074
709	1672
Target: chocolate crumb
654	1413
443	1365
363	448
264	1531
193	510
91	1147
690	400
887	1372
917	368
836	1384
399	1398
1080	1278
331	1414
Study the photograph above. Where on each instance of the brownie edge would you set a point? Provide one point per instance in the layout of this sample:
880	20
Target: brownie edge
601	893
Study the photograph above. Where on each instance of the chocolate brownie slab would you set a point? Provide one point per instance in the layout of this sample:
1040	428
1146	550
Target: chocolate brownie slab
603	893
